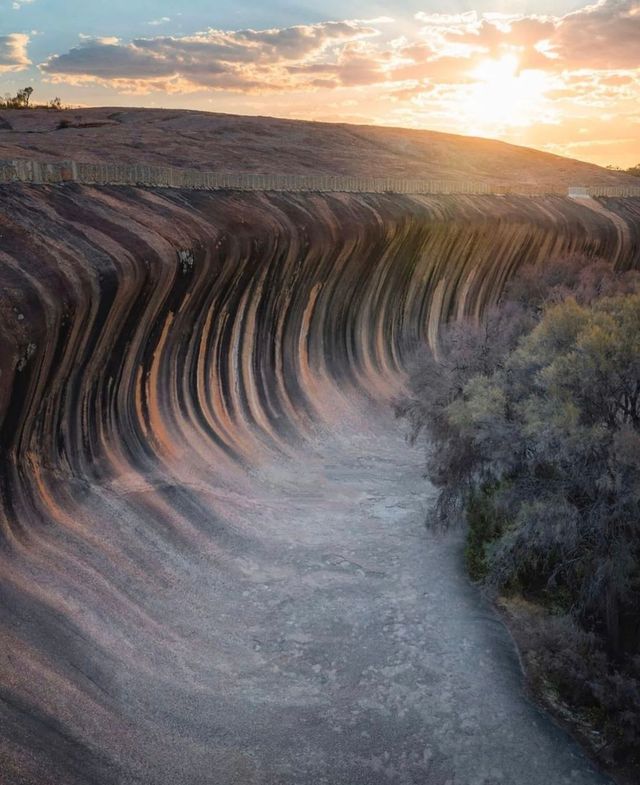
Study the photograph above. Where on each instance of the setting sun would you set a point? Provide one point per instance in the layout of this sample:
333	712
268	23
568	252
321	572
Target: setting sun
504	95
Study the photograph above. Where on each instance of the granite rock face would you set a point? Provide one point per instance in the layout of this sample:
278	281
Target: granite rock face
271	146
202	565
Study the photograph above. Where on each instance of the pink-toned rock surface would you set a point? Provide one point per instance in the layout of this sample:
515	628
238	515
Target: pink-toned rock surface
229	143
213	562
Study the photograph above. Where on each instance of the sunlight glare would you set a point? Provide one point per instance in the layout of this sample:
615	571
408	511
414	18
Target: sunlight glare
503	95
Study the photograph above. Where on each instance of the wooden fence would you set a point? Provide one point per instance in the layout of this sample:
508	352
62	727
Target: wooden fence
29	171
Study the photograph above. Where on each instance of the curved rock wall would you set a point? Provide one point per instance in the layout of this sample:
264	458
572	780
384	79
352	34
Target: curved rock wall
159	348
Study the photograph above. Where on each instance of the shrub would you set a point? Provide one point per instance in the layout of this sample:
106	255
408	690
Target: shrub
532	421
22	100
19	101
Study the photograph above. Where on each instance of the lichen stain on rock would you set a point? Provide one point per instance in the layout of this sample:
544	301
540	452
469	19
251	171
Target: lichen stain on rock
162	506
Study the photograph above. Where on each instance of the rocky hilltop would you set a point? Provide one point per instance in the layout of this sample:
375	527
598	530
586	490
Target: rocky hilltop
235	144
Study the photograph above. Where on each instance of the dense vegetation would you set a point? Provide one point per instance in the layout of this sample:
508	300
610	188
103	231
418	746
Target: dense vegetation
533	426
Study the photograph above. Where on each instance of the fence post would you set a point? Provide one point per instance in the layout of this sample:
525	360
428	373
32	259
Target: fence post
37	172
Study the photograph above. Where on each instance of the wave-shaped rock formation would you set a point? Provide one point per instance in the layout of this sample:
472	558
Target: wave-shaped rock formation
213	566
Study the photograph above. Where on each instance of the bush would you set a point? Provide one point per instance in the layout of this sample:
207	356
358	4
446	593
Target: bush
571	670
485	525
19	101
532	421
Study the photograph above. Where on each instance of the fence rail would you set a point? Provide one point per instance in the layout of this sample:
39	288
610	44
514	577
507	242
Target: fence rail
29	171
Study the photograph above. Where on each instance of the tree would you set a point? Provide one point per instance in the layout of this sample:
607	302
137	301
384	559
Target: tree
557	427
23	97
18	101
532	420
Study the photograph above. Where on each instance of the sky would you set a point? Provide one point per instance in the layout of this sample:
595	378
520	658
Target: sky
559	76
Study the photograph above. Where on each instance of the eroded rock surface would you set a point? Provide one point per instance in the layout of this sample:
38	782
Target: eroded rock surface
213	564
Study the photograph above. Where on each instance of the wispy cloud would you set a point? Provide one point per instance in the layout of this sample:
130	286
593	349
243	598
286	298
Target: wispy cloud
244	60
13	52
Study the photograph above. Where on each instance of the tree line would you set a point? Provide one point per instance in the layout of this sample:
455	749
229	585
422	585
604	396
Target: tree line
22	100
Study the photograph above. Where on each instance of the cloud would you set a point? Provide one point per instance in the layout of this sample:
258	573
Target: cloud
542	80
356	63
604	35
13	52
244	60
589	55
17	4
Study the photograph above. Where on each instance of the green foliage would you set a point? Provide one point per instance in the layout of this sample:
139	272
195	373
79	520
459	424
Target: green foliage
560	421
485	527
24	96
573	665
533	428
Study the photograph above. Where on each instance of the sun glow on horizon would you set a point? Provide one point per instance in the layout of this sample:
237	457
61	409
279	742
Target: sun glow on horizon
504	95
